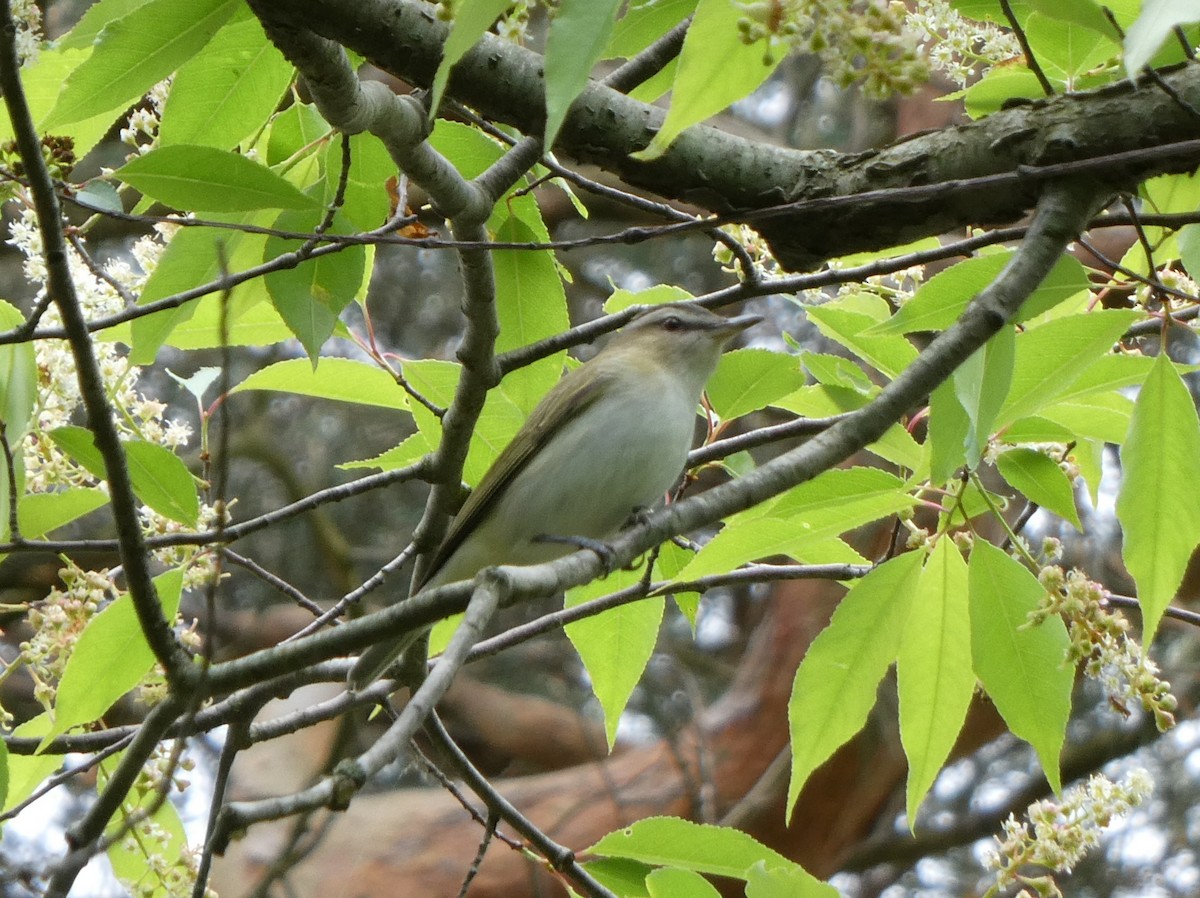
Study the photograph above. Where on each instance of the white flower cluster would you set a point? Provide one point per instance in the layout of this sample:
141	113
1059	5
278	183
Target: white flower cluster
144	120
170	868
960	48
58	398
1059	834
28	19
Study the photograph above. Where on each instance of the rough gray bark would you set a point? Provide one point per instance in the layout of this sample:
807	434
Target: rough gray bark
725	173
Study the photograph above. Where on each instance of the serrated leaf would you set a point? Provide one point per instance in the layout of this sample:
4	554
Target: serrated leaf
949	427
472	18
366	202
747	380
18	392
1159	503
400	456
110	657
193	256
850	323
343	380
1101	416
298	127
92	22
934	672
42	513
135	52
716	69
227	91
1040	480
530	305
672	882
837	681
833	370
785	882
1023	668
311	296
1052	356
940	301
981	385
621	299
1153	26
643	23
701	847
803	518
206	179
578	34
27	772
616	645
160	479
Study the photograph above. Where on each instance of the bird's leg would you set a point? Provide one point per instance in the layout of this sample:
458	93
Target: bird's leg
601	550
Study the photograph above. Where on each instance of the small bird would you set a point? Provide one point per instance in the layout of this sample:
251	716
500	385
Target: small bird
608	440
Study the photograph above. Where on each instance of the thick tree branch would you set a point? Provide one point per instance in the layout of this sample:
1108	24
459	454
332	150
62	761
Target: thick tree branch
723	172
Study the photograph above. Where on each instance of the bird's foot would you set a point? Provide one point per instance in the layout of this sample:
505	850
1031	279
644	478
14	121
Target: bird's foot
601	550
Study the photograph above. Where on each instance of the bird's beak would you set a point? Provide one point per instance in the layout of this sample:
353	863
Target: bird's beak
741	322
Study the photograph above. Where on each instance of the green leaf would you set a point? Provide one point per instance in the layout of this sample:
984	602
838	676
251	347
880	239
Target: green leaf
701	847
949	428
1153	26
1087	13
298	127
193	257
3	773
981	385
747	380
833	370
399	456
1068	51
785	882
579	32
716	69
621	299
1159	502
160	479
940	301
1040	480
110	658
311	296
343	380
530	305
849	321
672	882
1023	668
1052	356
367	202
205	179
615	646
1101	416
227	91
42	513
93	21
27	772
18	378
135	861
837	681
472	18
936	679
620	876
803	518
135	52
645	22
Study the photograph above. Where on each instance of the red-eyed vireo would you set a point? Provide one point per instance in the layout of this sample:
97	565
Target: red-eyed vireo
610	438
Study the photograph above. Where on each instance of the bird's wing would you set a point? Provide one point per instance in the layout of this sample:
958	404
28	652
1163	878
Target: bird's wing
565	401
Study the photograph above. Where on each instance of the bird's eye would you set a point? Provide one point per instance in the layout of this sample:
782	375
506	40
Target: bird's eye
672	323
